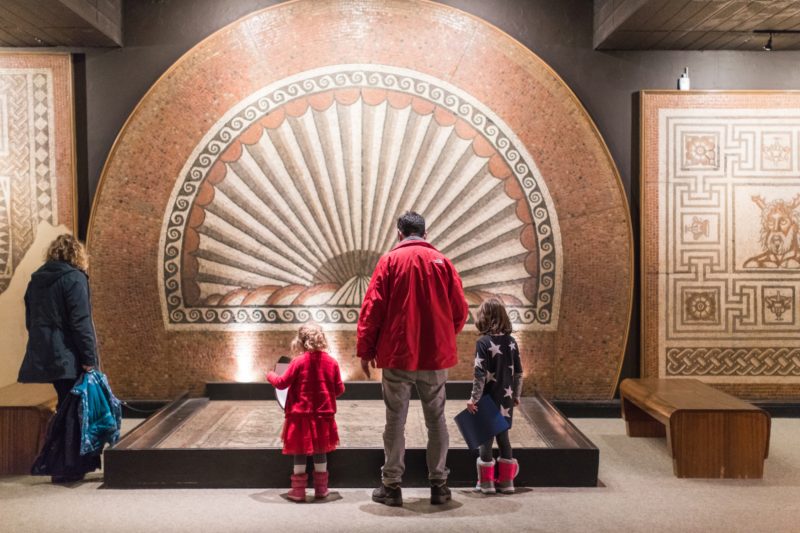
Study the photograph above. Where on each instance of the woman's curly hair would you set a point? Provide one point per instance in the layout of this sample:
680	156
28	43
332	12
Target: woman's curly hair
310	338
70	250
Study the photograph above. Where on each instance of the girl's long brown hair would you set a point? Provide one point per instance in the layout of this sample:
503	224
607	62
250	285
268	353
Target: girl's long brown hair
492	318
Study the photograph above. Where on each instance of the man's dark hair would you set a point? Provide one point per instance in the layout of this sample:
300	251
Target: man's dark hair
411	223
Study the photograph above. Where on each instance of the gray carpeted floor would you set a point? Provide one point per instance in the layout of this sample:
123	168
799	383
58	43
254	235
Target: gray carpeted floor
639	494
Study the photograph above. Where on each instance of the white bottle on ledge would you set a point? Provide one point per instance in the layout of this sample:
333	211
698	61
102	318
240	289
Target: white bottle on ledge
684	83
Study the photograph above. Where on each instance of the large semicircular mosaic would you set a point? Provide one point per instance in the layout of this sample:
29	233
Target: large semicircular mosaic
292	197
258	182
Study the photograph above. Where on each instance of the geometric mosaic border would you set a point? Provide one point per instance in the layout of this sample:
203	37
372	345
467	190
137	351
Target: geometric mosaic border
733	362
29	188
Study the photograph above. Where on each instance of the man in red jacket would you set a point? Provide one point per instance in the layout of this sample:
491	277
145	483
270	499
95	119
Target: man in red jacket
413	309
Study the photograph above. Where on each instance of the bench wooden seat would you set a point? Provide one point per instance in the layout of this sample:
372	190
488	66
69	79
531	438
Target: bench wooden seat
25	410
710	434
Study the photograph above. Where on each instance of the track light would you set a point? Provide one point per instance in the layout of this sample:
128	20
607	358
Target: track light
768	47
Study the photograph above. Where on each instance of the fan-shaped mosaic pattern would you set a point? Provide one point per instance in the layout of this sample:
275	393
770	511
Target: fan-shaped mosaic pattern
283	214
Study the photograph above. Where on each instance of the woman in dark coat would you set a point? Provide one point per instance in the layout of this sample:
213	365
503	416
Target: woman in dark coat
58	316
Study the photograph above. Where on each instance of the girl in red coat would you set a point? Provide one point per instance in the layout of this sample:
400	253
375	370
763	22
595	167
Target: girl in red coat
314	382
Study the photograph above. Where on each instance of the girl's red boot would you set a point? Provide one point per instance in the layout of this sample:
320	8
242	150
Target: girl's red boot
298	491
485	476
507	470
321	485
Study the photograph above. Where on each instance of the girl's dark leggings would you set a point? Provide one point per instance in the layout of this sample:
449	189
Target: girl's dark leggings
318	458
502	442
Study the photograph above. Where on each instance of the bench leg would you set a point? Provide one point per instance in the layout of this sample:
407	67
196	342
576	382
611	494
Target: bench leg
719	445
640	424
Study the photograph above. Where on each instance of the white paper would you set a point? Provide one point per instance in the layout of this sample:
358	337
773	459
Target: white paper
280	394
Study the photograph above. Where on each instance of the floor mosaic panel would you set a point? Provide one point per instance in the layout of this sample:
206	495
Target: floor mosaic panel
722	239
258	424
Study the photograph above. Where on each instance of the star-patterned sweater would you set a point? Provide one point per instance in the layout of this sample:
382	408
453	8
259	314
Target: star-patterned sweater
498	372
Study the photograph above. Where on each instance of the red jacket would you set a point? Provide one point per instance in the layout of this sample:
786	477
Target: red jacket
314	382
413	309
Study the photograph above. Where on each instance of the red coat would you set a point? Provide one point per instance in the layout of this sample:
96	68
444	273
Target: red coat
413	309
314	382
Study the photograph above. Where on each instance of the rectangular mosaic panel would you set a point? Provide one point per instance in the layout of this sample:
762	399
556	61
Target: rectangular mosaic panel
721	238
37	180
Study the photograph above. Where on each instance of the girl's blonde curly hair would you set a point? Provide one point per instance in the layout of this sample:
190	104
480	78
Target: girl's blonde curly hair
70	250
310	338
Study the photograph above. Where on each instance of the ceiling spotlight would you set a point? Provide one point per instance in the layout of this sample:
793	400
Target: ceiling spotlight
768	47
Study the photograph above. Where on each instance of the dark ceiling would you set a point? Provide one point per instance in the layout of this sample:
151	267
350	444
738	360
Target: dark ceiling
75	23
695	24
618	24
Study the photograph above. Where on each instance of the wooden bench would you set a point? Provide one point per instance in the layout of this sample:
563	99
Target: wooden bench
711	434
25	410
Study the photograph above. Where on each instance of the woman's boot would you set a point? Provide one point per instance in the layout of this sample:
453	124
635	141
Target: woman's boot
507	470
298	491
485	476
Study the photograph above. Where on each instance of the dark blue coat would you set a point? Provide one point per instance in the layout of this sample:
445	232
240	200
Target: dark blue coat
58	316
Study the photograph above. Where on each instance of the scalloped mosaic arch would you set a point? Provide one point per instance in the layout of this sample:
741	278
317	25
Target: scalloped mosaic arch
258	181
282	212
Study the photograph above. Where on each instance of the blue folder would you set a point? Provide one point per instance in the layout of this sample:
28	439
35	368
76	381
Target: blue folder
483	425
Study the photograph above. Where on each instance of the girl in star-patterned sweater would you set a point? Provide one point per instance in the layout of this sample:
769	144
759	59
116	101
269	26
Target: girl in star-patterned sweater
498	374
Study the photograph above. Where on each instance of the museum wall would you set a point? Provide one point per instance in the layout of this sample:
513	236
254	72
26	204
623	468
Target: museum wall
158	32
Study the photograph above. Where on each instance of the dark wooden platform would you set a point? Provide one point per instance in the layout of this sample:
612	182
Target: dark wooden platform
230	438
25	410
710	434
